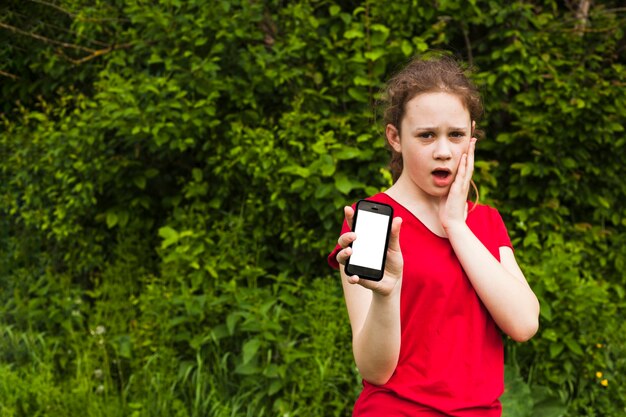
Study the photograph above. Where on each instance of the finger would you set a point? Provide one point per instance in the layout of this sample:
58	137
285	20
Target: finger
346	239
353	279
394	236
365	283
470	158
343	255
349	214
460	174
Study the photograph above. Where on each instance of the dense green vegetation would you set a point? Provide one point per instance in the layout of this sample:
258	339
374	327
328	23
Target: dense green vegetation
173	172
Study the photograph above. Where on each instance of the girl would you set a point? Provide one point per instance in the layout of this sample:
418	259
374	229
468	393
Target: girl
426	338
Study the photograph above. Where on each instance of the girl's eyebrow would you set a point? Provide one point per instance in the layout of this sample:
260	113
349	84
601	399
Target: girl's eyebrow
422	128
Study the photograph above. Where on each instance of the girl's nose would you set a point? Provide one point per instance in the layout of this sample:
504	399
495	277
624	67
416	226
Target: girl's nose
442	149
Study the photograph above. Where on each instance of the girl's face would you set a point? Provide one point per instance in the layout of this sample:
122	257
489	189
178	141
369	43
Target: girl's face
434	133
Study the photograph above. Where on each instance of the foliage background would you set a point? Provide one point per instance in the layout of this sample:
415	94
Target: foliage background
173	174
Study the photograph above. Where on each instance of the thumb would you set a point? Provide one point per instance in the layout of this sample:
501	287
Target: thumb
394	237
349	215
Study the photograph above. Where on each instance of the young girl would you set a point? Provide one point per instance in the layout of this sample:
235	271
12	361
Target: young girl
426	338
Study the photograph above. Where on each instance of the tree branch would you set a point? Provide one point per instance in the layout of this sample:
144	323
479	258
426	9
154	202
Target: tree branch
61	29
54	6
92	53
74	15
8	74
46	40
614	10
95	54
582	14
468	46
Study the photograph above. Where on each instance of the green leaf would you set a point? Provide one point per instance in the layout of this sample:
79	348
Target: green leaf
572	345
546	311
122	218
151	172
358	94
196	174
249	368
380	28
140	182
375	54
124	346
296	170
275	386
604	202
347	152
250	349
516	400
555	349
546	403
344	184
550	408
361	81
354	33
231	322
169	235
38	116
111	219
407	48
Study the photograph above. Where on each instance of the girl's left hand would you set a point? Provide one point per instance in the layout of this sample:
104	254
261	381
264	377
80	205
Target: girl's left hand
453	207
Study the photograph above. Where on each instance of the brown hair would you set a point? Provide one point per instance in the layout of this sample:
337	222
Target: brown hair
433	73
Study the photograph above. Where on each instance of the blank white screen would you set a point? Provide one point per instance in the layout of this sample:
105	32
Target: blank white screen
369	246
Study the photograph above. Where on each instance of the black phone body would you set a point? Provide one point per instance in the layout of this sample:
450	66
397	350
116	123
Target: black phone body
372	225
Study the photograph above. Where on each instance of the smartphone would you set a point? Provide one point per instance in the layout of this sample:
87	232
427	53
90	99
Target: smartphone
372	225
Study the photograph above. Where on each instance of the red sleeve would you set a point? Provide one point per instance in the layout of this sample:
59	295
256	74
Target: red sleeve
332	257
499	228
489	228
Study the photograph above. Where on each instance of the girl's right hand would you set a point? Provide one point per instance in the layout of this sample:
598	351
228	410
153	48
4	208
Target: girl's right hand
393	264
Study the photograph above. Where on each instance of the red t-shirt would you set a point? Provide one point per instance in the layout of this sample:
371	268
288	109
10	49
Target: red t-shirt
451	355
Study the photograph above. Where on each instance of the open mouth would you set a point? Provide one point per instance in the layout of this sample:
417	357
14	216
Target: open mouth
441	173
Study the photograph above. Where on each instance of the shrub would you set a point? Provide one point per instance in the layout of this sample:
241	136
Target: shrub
168	201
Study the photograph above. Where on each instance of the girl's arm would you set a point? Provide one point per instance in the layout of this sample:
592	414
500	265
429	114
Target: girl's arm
374	309
501	286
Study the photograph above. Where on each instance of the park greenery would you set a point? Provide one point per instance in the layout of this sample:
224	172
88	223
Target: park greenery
173	174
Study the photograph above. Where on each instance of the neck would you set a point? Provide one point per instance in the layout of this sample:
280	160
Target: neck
423	206
408	194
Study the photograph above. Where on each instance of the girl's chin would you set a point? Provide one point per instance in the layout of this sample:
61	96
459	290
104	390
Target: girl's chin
434	192
438	193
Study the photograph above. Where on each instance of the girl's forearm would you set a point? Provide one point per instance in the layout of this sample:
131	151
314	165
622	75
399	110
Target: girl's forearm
509	299
376	345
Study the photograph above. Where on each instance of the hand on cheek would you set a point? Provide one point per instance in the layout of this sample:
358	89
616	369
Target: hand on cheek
453	206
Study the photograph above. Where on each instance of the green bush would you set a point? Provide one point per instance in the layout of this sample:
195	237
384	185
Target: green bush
173	175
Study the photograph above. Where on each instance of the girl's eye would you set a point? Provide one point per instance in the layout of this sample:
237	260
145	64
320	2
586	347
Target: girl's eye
457	135
426	135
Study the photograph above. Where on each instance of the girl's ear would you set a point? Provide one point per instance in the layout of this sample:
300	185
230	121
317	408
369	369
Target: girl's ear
393	137
473	127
